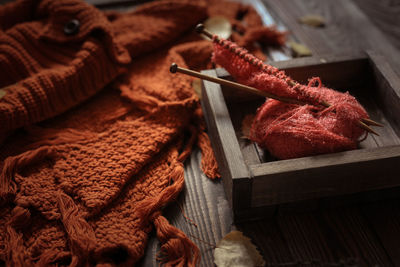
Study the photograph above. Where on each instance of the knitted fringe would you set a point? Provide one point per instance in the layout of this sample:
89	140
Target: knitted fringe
50	256
81	235
8	187
177	248
209	164
14	245
39	150
151	205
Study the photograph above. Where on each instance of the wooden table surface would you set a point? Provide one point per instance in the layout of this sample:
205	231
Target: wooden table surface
365	234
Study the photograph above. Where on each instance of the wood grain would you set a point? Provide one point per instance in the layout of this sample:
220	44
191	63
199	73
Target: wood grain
354	237
347	28
208	214
384	218
385	15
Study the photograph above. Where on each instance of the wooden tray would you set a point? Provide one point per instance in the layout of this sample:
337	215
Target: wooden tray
257	184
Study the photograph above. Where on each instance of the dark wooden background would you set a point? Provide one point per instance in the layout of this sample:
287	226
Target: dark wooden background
365	234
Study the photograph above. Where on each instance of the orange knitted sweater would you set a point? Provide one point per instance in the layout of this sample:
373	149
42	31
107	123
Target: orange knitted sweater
94	130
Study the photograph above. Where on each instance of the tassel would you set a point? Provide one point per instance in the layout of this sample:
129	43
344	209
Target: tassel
209	163
189	145
81	235
177	248
11	164
150	205
52	257
14	245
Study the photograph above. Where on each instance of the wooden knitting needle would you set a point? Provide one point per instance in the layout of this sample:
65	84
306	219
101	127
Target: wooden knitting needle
174	68
363	123
200	29
371	122
366	127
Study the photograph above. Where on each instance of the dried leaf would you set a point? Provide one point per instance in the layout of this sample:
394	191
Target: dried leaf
313	20
196	84
299	50
235	249
246	125
219	25
2	93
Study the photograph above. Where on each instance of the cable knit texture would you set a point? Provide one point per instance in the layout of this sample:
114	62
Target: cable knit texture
95	130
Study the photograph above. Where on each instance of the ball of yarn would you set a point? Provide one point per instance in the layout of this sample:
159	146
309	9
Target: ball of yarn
288	130
292	131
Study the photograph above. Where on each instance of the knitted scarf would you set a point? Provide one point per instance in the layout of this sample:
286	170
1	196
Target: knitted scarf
94	130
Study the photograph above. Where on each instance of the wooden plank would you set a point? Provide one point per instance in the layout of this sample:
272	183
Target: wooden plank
266	235
387	134
324	175
387	83
220	119
384	14
347	28
208	213
351	236
238	113
306	241
233	169
340	71
384	217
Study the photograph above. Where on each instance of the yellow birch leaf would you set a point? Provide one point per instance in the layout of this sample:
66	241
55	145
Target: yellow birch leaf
196	84
2	93
299	50
237	250
246	125
313	20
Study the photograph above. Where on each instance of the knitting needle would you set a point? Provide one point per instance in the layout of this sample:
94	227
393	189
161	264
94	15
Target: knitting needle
175	68
365	127
371	122
363	123
200	29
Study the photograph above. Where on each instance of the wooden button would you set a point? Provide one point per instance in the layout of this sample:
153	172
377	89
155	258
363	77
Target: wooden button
72	27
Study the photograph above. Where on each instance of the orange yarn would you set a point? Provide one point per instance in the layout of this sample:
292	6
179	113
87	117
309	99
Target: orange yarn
87	183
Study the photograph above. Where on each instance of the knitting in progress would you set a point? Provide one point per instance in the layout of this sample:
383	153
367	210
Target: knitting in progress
291	130
94	129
